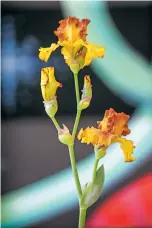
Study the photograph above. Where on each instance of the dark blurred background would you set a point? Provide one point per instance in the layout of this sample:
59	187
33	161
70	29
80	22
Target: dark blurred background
30	148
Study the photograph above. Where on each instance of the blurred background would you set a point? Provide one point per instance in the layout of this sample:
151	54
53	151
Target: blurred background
37	184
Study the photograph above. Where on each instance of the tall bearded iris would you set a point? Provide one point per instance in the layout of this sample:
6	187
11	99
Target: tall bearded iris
77	52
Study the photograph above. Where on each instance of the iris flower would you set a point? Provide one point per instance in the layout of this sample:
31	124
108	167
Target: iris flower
110	130
76	50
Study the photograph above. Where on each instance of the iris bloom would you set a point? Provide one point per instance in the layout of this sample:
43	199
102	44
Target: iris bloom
49	84
76	50
110	130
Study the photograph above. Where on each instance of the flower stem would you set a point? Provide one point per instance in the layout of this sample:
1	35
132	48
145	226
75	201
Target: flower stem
74	169
77	88
94	170
55	123
78	111
76	123
82	218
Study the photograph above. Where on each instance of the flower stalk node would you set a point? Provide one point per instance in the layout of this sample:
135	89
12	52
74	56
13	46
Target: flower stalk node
51	107
74	68
65	137
100	152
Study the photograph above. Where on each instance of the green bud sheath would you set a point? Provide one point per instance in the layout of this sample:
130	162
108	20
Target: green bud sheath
51	107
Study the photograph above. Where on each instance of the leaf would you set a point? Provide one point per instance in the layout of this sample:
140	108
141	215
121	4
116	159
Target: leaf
93	191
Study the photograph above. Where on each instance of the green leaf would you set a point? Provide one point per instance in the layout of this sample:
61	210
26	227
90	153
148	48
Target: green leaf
93	191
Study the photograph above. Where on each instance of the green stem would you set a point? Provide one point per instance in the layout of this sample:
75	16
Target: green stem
94	170
55	123
77	88
82	218
74	169
78	111
76	123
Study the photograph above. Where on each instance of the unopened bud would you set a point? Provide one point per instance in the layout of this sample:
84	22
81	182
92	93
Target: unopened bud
49	84
84	103
65	137
86	93
100	152
51	107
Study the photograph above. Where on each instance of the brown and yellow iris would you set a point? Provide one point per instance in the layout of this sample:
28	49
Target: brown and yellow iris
110	130
76	50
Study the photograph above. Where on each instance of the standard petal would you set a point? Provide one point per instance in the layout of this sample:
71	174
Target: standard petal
46	52
115	123
72	29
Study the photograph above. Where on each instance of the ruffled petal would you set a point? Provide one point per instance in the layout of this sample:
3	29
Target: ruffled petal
95	137
80	52
93	51
115	123
80	134
105	139
72	29
46	52
127	147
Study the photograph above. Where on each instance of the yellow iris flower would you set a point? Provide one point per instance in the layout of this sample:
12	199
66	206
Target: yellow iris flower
110	129
49	84
76	50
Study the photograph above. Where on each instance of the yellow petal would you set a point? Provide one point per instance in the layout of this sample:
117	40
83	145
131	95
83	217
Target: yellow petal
72	52
66	53
80	134
46	52
93	51
127	147
49	84
85	140
80	52
95	137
